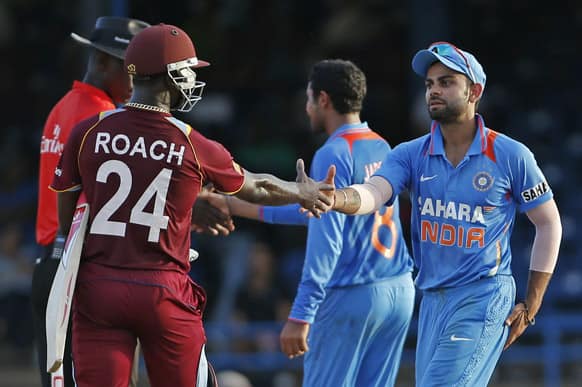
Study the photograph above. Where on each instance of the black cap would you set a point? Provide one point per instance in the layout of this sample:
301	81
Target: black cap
112	34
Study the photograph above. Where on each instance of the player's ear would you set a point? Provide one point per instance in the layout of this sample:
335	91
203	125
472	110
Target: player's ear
170	85
475	92
324	99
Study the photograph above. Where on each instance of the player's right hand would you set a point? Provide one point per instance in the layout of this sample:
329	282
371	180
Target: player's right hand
294	338
316	197
517	323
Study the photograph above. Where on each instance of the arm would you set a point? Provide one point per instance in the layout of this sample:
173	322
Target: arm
544	256
228	177
244	209
67	180
364	198
66	202
269	190
324	247
290	214
231	205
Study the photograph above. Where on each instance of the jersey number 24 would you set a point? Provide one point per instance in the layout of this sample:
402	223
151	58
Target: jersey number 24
155	220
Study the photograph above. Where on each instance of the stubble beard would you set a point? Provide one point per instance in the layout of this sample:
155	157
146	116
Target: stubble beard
317	126
445	115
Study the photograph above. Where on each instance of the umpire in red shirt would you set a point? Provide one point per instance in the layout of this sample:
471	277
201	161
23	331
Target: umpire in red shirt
105	85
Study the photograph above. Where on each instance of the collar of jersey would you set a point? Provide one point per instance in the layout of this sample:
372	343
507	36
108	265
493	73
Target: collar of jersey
90	89
478	146
350	128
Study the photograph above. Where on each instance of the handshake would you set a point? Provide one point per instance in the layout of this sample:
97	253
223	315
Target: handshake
317	197
212	212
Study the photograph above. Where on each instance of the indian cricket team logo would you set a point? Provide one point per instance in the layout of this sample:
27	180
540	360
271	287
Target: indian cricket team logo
483	181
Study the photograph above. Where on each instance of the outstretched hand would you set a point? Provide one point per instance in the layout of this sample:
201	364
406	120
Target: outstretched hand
316	197
211	214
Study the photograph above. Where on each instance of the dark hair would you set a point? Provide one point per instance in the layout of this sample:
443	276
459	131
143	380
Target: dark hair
342	80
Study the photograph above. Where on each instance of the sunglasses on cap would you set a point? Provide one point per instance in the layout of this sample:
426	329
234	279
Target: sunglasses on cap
447	49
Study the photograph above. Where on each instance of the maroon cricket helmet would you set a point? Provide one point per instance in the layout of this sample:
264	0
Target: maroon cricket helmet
154	48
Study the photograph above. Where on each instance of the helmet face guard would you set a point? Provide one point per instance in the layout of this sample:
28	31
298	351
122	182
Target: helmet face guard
184	78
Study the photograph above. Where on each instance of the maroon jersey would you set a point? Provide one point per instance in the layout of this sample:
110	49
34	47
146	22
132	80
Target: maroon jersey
141	172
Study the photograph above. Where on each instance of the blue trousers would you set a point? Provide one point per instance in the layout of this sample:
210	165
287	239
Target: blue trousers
358	335
461	332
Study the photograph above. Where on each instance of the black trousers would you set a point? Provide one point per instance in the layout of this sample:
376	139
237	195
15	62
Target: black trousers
42	280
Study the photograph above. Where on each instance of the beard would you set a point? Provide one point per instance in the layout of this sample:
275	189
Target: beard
446	114
317	126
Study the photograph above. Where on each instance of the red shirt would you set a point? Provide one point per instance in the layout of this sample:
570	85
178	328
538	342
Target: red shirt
81	102
141	172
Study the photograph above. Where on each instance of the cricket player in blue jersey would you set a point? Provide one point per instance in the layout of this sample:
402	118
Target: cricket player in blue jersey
356	295
466	182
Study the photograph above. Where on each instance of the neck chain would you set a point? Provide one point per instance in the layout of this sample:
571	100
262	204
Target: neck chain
143	106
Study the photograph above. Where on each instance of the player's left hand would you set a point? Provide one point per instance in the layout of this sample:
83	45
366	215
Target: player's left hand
294	338
316	197
517	323
209	216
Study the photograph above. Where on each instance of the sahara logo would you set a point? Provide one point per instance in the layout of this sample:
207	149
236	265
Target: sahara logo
533	193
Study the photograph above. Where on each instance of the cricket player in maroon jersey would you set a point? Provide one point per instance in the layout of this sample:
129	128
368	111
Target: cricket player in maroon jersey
105	84
141	170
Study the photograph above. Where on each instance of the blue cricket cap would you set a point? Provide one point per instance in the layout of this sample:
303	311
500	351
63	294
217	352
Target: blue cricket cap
452	57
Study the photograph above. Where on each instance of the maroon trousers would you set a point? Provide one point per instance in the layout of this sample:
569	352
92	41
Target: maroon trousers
113	307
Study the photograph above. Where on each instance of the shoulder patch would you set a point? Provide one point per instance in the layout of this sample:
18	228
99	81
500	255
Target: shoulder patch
535	192
107	113
184	127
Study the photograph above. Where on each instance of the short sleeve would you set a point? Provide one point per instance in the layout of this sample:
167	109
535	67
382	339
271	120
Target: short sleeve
529	185
218	165
396	169
67	176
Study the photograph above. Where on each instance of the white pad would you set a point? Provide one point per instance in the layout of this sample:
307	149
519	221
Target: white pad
373	194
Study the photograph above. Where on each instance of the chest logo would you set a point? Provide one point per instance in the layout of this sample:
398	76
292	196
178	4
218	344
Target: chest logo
426	178
483	181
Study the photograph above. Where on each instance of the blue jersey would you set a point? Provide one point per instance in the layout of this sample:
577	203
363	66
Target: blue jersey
462	217
346	250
